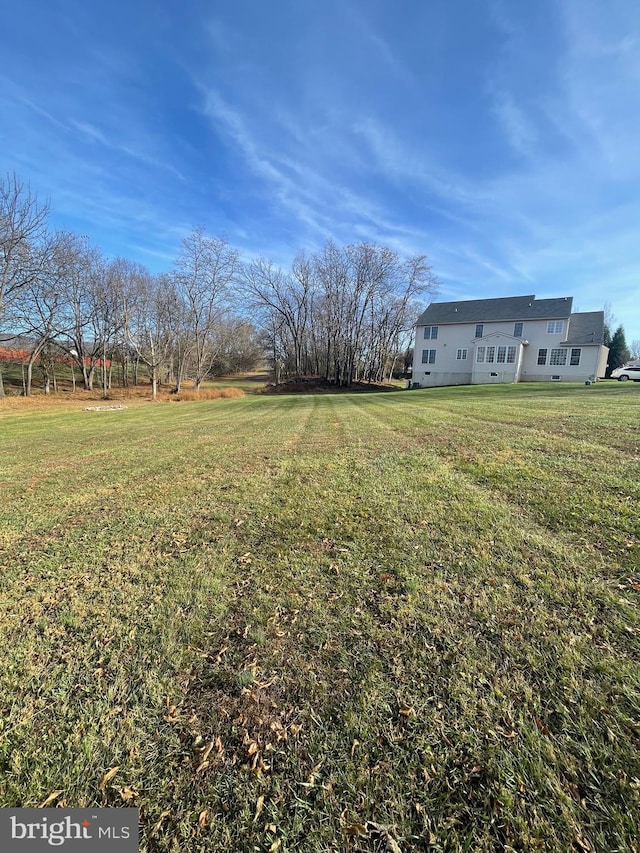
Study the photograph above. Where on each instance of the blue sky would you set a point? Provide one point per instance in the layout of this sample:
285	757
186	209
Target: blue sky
500	137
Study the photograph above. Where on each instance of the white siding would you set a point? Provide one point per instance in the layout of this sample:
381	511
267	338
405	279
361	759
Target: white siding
449	370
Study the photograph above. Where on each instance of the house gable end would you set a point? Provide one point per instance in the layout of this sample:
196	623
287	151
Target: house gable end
493	335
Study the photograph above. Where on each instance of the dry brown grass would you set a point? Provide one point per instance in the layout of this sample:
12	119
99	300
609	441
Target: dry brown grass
132	394
207	394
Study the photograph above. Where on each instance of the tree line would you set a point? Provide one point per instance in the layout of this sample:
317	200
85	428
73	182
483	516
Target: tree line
341	313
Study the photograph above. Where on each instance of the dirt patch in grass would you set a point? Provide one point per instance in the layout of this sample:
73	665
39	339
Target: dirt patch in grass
317	385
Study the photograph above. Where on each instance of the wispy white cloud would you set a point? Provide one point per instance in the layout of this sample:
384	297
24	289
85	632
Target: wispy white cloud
390	58
519	129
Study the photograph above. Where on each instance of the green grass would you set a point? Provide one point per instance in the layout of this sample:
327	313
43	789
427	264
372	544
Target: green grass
329	623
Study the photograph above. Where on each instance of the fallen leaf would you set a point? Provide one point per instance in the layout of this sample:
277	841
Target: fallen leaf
172	715
377	830
259	807
128	793
276	844
52	796
541	726
108	777
203	819
157	826
583	844
205	752
510	735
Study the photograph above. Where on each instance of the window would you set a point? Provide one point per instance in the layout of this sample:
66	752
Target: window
502	355
430	333
511	355
491	354
542	356
558	356
461	354
555	327
517	330
479	330
480	353
428	356
575	357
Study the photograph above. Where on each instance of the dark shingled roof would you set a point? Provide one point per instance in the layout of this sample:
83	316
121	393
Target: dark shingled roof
585	328
496	310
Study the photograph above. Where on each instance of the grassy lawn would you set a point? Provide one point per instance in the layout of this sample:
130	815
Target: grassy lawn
382	622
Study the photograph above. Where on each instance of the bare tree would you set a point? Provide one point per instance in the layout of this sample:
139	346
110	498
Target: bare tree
22	228
364	304
148	325
79	328
205	271
342	313
283	302
37	309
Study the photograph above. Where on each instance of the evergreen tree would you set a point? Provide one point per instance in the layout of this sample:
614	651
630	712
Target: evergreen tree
618	350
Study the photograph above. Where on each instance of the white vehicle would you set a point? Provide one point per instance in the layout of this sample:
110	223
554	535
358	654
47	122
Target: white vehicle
626	372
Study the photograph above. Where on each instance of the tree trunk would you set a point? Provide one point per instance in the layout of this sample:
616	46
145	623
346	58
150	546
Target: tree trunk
1	383
26	389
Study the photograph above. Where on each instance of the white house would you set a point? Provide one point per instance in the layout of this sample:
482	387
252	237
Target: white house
514	339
